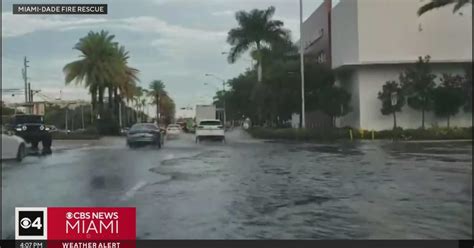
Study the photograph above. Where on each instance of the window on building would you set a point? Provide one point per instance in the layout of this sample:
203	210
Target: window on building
321	58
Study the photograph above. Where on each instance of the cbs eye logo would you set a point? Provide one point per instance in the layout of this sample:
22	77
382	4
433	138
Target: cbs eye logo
30	223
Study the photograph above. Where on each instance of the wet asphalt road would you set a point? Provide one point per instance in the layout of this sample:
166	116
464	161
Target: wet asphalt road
249	189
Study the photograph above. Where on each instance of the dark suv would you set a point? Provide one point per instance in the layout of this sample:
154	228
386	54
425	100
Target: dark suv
33	130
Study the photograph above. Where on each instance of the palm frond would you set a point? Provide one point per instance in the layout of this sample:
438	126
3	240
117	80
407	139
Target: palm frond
435	4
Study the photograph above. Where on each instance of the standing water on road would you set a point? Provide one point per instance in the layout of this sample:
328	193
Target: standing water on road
256	189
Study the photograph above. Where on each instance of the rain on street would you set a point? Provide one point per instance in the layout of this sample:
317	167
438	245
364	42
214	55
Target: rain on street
250	188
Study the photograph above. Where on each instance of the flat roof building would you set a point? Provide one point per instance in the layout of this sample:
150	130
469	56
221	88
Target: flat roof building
372	41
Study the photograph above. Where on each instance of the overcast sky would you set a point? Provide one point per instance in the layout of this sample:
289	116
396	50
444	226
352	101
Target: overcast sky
176	41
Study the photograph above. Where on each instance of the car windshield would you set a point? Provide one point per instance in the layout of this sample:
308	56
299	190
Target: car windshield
141	127
210	123
20	119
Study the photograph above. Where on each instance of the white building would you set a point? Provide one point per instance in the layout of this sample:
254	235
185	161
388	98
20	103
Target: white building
372	41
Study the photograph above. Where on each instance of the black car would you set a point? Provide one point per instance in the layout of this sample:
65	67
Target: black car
33	130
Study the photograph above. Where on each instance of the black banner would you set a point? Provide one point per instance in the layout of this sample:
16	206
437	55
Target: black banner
60	9
269	243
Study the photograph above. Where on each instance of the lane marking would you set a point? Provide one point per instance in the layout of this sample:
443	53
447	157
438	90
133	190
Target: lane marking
131	192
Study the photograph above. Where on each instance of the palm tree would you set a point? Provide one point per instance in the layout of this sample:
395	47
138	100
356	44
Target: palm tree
124	84
143	103
434	4
256	30
167	108
157	91
137	96
95	68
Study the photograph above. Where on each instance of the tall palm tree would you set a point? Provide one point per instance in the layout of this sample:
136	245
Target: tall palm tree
157	91
137	96
143	103
256	30
434	4
96	67
167	108
123	86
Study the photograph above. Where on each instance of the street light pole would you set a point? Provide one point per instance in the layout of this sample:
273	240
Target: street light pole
223	90
303	121
225	117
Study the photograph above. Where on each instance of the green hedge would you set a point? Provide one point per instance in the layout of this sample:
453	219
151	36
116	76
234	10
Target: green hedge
88	134
74	136
298	134
344	133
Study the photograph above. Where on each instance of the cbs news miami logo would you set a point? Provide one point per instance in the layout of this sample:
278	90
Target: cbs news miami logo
75	223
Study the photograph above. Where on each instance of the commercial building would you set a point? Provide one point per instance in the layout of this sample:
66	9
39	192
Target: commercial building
317	46
372	41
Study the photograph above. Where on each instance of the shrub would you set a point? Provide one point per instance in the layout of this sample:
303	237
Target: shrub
343	133
299	134
108	125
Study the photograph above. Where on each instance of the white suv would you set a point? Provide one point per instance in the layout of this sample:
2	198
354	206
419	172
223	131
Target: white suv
210	129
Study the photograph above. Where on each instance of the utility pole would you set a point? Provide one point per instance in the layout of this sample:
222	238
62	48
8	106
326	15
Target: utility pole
30	93
24	73
223	99
303	121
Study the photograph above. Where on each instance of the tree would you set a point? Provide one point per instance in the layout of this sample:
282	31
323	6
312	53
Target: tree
467	87
123	85
389	89
448	97
418	84
256	30
96	67
157	91
140	102
6	110
168	109
334	101
435	4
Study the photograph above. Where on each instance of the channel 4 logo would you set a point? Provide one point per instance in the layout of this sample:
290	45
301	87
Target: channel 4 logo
31	223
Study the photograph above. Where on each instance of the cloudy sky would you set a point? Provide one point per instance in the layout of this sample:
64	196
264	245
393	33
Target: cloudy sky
177	41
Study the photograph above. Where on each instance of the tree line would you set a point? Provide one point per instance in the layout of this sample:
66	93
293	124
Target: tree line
417	88
103	68
270	92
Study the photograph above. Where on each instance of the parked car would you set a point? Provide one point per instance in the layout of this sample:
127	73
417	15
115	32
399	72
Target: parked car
13	147
33	130
210	129
173	131
144	134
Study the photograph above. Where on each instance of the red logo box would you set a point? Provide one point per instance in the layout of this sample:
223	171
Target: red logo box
91	225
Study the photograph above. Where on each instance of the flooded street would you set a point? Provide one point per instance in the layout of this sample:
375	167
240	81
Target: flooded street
251	189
